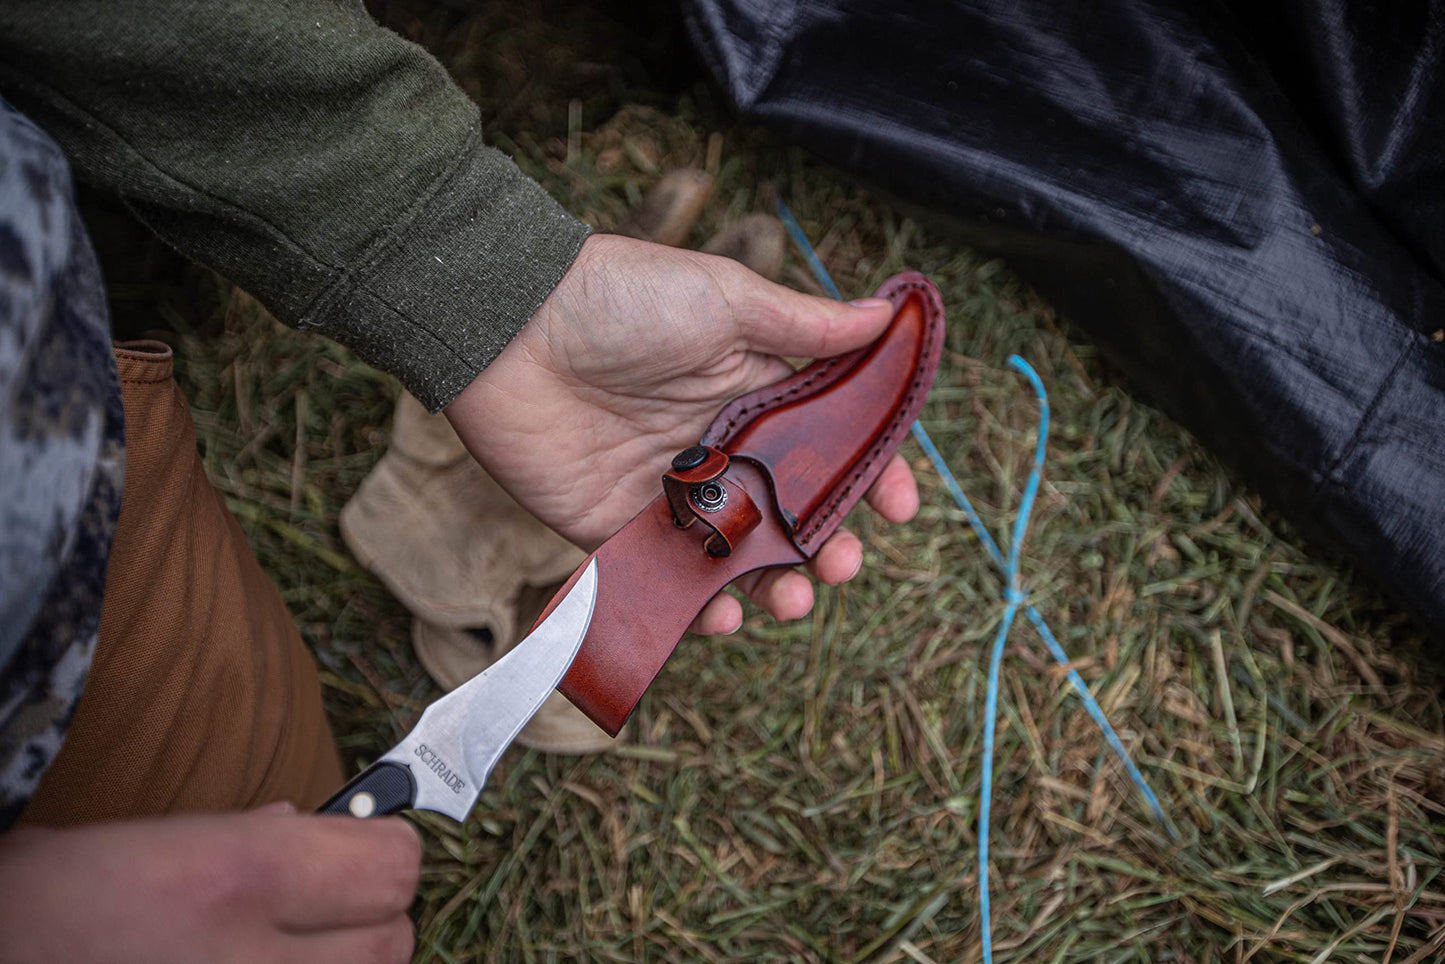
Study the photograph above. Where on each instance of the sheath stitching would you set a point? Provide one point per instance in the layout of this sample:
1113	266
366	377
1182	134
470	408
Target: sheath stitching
824	515
772	401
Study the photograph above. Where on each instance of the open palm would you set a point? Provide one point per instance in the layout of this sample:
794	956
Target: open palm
626	363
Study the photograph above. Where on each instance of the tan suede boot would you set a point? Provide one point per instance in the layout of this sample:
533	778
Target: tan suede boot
453	656
465	558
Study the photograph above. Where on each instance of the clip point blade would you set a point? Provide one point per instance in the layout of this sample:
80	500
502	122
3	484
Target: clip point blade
461	736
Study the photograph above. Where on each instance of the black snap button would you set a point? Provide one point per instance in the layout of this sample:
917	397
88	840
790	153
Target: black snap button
689	458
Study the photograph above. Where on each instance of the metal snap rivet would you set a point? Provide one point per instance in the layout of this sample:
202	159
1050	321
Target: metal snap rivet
709	496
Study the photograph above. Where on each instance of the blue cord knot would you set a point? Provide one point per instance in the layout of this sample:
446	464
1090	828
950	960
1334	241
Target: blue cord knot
1015	597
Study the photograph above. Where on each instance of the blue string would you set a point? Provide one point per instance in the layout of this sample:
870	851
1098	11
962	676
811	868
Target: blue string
815	264
1050	642
1014	597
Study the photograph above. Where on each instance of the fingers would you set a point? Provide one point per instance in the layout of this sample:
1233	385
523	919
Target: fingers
280	806
340	872
389	942
839	559
783	593
894	494
776	320
260	886
722	616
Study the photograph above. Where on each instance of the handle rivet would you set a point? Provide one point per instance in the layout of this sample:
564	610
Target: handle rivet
362	805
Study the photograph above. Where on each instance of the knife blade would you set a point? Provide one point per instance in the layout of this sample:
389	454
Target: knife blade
444	762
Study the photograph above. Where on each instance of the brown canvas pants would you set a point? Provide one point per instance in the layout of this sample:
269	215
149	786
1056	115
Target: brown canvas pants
202	695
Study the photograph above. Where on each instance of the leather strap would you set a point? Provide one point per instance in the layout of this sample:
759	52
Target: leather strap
773	477
698	490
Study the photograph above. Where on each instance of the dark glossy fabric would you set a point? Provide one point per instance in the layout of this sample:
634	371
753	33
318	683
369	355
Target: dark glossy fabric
1245	207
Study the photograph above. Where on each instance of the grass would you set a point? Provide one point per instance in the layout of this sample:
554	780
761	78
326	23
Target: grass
808	791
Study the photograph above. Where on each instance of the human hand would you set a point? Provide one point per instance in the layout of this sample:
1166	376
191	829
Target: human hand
625	364
270	885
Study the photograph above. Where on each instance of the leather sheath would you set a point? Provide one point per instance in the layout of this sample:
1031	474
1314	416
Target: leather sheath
771	480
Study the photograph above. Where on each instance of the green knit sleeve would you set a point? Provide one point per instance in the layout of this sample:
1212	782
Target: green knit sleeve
321	162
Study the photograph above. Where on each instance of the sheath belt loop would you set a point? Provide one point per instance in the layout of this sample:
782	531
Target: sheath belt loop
697	491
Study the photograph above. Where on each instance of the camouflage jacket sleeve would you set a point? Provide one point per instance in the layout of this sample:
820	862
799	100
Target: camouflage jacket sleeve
316	159
61	432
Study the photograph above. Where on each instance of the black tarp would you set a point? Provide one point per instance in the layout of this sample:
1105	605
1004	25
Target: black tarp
1243	205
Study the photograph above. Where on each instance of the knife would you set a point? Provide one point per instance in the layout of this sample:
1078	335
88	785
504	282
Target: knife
766	485
444	762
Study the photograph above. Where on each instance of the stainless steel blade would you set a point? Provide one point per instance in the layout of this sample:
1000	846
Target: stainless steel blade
460	737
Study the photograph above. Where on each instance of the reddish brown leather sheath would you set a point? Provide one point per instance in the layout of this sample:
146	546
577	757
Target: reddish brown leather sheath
769	482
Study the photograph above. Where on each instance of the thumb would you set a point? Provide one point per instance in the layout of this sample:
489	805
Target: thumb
780	321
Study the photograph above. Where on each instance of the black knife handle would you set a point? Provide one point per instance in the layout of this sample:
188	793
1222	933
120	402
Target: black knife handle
380	789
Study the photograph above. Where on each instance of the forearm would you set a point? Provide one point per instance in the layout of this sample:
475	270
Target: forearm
319	161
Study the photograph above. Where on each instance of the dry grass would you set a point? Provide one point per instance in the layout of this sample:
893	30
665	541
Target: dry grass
808	791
